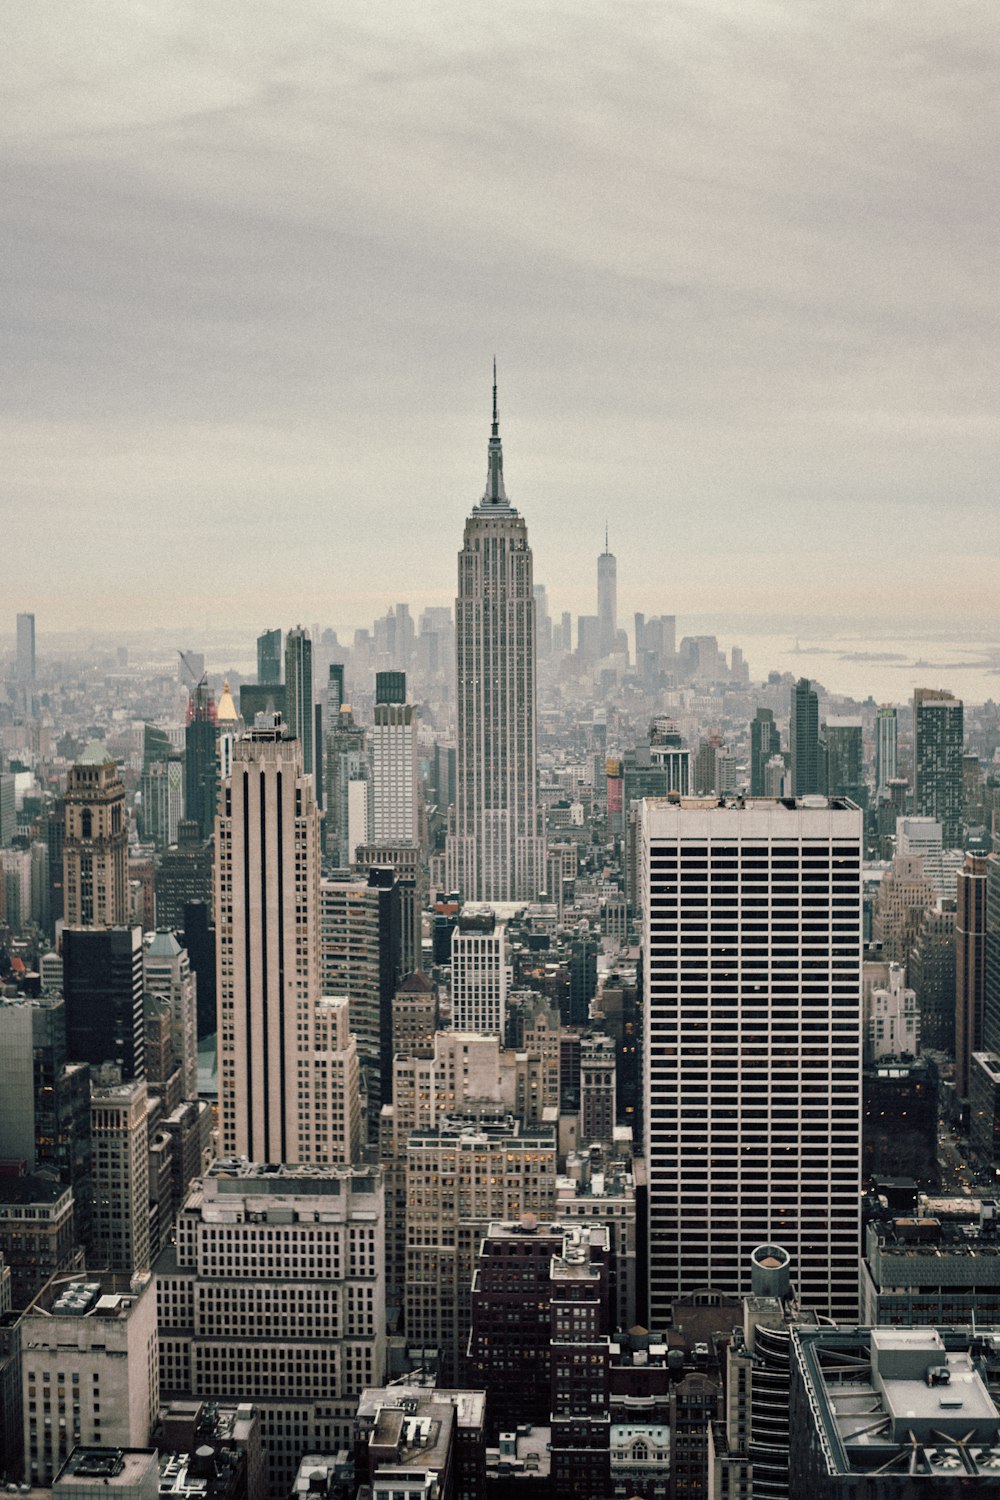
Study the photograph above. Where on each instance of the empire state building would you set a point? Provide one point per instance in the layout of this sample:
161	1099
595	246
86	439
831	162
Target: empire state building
496	851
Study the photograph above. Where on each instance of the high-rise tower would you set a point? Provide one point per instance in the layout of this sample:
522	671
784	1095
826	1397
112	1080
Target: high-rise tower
607	600
752	970
26	648
803	739
276	1044
299	692
886	741
95	847
938	741
496	851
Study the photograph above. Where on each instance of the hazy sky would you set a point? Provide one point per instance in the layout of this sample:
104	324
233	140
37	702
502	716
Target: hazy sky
738	262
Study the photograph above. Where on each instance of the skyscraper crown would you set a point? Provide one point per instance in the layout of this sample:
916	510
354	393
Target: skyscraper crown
495	495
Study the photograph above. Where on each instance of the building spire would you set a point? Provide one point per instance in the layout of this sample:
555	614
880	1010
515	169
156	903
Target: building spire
607	549
495	494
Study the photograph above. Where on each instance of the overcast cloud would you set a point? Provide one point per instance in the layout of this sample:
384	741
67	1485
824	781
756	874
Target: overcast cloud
737	260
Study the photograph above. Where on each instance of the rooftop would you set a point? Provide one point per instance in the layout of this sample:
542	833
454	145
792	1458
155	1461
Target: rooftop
917	1401
107	1466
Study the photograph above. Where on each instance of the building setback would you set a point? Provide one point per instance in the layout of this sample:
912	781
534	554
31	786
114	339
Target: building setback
274	1292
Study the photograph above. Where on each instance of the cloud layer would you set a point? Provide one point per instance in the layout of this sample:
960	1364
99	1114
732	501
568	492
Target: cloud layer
738	262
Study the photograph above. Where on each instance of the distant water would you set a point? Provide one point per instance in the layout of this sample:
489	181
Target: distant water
886	667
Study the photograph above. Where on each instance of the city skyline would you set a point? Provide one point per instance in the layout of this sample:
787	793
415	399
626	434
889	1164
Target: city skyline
740	302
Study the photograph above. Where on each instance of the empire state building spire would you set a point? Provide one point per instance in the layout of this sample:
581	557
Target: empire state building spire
495	495
496	847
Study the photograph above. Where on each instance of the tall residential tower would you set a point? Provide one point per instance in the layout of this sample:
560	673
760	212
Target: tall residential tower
496	851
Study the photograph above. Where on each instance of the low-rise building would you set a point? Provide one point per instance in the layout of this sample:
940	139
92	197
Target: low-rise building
89	1369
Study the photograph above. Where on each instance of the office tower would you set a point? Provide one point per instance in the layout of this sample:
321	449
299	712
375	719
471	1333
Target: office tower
166	973
25	665
274	1039
346	783
931	972
394	769
583	951
597	1090
970	967
843	772
460	1177
201	765
102	987
17	1097
991	952
269	658
803	739
416	1015
119	1130
8	808
938	743
44	1101
183	876
925	837
299	692
334	693
543	622
886	738
404	860
765	741
497	849
274	1290
90	1369
359	951
479	974
390	687
162	806
607	600
752	965
95	846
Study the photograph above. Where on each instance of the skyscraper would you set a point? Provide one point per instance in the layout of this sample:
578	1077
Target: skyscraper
803	738
201	765
496	851
752	1069
26	648
102	986
269	657
479	974
970	967
607	600
938	735
274	1041
95	847
299	692
765	741
886	733
394	763
842	771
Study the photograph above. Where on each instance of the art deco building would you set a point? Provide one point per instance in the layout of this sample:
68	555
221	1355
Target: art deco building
496	851
752	961
277	1043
